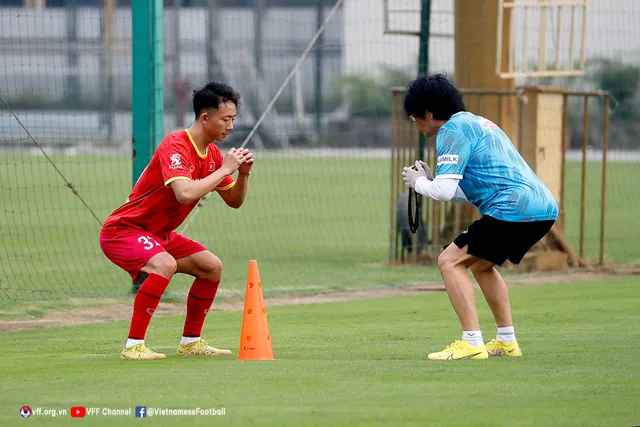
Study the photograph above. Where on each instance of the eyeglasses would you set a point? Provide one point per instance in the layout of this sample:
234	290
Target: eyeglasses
412	118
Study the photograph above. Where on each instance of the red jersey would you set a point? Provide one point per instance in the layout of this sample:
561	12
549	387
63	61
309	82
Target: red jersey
152	205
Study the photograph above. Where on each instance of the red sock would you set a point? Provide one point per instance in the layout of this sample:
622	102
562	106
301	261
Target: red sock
146	302
199	302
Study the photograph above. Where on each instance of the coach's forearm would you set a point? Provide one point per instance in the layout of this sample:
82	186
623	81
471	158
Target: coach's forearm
239	191
191	191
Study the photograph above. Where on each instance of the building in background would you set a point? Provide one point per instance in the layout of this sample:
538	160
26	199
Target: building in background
76	55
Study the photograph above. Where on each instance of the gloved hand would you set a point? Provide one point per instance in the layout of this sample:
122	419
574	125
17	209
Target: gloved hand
411	174
427	169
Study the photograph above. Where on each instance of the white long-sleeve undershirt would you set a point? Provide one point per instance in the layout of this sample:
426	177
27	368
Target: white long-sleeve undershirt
443	188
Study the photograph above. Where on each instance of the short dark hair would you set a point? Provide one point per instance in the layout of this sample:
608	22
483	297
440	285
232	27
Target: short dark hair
212	95
434	94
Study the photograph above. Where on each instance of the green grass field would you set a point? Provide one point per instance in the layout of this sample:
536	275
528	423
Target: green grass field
352	363
300	222
313	224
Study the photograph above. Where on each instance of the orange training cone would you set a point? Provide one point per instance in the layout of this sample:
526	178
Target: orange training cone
255	339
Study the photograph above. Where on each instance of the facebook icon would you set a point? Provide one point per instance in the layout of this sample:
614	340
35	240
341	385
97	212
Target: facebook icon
141	411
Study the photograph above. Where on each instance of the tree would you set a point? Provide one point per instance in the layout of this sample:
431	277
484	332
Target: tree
367	96
622	82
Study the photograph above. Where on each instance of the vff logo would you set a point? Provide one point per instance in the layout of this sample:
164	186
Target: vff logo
25	412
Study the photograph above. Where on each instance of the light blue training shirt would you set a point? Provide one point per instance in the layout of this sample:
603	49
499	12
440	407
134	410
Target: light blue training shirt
493	175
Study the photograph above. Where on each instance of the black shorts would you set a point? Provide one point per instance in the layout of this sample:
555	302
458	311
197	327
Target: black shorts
496	241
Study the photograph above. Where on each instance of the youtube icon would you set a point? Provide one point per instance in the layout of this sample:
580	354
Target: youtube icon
78	411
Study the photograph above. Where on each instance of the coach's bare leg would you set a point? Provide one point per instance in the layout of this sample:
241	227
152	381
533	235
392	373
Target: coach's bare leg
161	264
453	263
495	291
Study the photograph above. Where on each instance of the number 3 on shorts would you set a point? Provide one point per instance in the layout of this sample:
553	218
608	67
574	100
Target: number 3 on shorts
148	242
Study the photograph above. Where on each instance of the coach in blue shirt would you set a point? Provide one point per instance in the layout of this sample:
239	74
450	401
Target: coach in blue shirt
477	164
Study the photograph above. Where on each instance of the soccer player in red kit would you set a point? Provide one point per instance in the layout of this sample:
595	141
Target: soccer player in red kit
139	236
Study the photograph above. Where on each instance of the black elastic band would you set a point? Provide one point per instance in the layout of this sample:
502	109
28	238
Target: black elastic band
414	219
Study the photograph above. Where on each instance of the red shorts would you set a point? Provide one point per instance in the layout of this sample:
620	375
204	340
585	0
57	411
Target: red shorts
132	249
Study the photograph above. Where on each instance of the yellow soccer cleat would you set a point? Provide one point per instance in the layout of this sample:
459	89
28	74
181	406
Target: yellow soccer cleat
140	352
498	348
461	350
200	348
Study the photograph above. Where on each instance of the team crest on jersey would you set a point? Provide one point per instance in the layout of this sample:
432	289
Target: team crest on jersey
212	166
176	161
448	159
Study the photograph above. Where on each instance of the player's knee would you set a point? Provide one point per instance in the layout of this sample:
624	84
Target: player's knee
163	264
211	267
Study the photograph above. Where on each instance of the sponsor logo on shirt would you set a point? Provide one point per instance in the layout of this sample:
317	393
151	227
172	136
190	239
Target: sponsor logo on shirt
176	161
448	159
